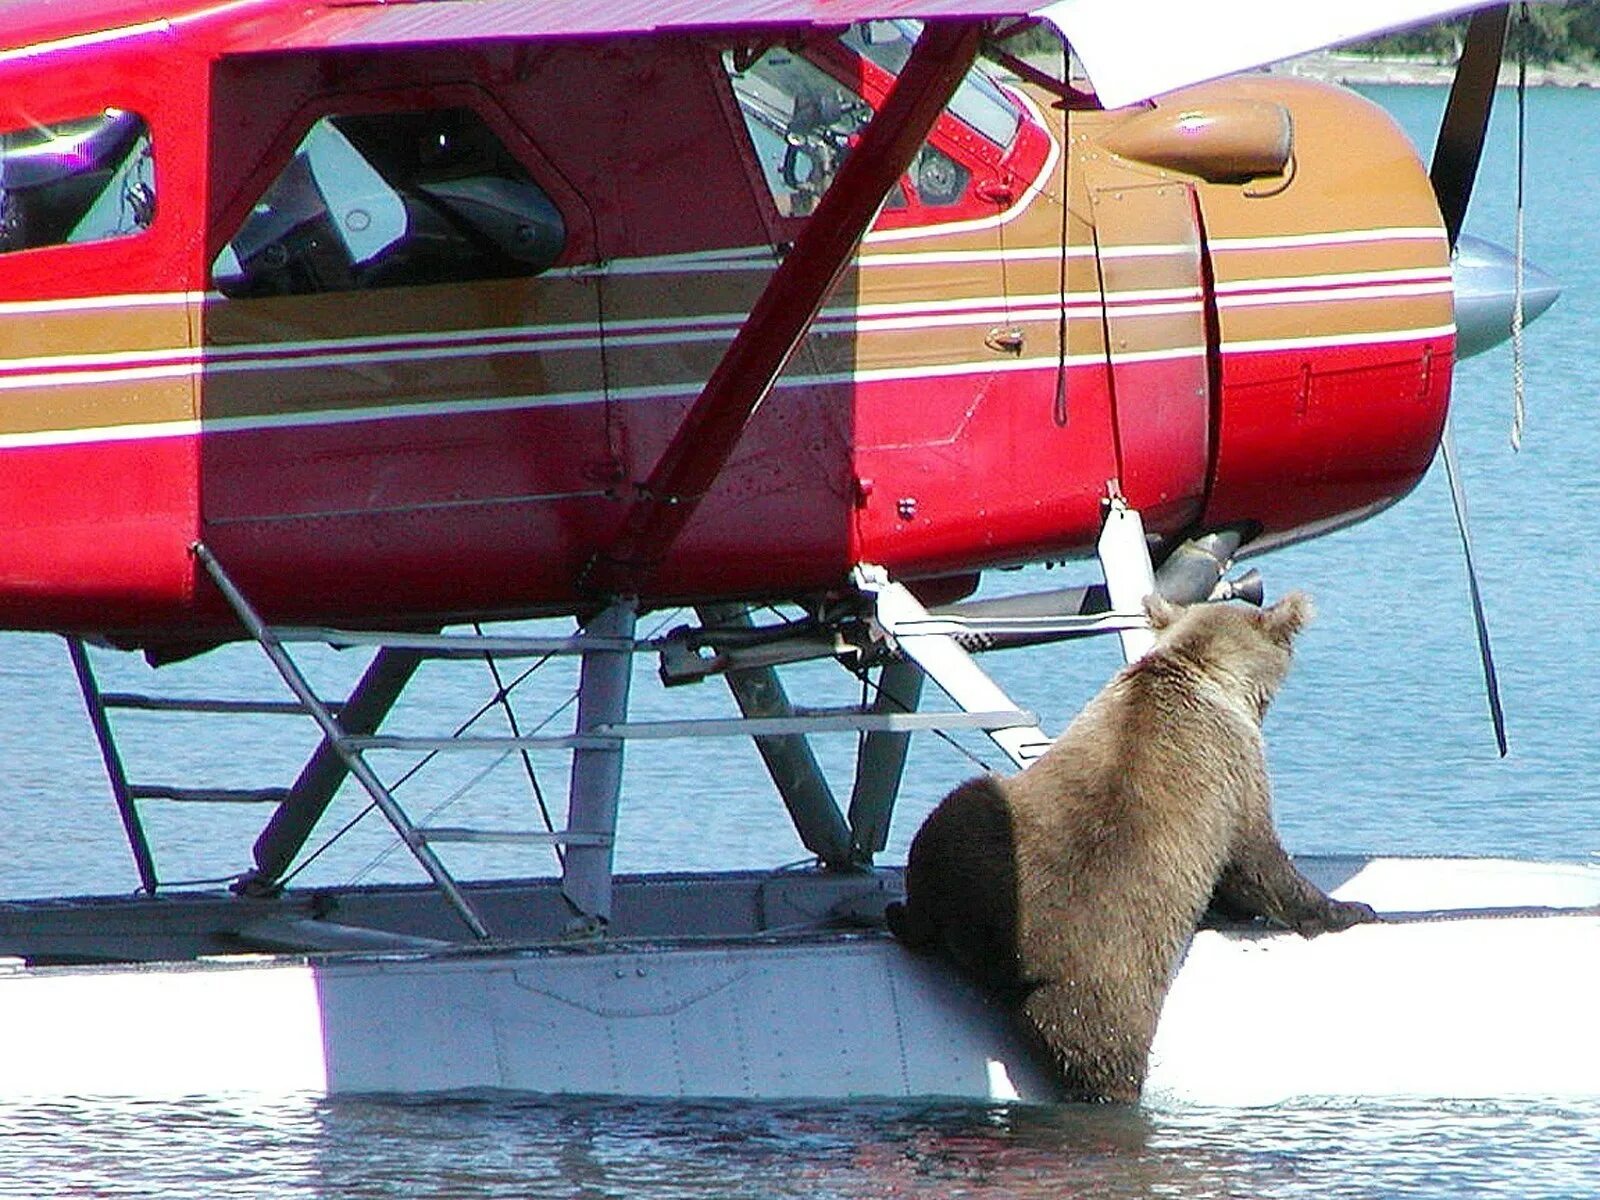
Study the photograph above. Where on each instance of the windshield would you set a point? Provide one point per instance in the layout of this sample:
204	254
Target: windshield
979	102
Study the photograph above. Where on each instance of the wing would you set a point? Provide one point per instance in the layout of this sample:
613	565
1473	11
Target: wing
1131	49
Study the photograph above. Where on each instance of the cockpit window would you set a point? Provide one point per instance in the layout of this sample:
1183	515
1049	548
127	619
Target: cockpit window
978	103
390	200
801	120
76	181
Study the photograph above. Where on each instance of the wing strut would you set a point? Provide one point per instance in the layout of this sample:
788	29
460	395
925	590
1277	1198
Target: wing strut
711	428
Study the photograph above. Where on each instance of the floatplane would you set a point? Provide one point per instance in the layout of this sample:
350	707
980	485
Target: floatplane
363	324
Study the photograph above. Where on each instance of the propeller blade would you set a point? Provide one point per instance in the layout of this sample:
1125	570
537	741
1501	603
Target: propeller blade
1466	115
1458	498
1462	131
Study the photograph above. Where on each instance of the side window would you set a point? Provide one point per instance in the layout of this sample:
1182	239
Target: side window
801	120
390	200
82	180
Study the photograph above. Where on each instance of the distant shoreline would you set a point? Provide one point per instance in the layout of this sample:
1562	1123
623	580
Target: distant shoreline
1362	69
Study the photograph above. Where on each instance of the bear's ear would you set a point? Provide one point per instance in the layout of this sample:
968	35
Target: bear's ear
1288	616
1161	611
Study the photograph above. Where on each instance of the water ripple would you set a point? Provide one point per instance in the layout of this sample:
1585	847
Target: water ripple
508	1146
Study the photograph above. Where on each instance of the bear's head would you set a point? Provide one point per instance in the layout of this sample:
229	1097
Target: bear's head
1246	648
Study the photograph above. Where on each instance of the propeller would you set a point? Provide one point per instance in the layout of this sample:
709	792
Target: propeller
1455	166
1466	116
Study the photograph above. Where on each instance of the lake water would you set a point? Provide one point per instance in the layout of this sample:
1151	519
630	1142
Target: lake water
1380	743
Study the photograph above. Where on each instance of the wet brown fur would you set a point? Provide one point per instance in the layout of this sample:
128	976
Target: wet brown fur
1074	887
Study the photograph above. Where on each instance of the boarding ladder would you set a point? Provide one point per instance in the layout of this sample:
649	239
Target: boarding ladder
350	733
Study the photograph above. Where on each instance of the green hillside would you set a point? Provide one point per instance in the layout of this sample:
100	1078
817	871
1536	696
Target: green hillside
1552	33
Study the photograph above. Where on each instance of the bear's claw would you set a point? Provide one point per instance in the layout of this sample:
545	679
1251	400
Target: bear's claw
1340	914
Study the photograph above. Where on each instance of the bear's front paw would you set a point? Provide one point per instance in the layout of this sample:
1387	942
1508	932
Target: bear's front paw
1340	914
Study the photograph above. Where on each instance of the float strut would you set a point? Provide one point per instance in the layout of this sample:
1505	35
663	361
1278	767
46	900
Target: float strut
1125	560
788	757
286	833
596	784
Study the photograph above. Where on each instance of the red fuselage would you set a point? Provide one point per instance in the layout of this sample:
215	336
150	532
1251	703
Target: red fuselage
398	332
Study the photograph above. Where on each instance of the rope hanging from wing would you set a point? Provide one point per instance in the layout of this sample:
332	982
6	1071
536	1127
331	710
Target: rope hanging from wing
1518	374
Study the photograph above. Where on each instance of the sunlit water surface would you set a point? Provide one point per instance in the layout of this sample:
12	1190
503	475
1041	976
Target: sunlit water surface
530	1148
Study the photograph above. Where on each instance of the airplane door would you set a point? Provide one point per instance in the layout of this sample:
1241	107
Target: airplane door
1152	288
400	371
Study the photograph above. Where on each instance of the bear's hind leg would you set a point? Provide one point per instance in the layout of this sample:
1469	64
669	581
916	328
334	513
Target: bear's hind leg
1099	1048
910	925
961	885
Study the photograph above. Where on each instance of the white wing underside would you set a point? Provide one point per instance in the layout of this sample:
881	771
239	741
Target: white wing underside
1135	49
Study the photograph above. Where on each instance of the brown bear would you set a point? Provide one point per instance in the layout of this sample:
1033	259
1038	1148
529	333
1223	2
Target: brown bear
1073	888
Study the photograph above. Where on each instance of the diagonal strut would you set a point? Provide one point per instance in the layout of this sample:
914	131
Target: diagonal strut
710	430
